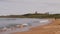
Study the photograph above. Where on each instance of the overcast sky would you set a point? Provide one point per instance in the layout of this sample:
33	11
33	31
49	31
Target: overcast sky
28	6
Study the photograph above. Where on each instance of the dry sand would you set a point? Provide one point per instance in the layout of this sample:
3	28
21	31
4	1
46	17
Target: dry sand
53	28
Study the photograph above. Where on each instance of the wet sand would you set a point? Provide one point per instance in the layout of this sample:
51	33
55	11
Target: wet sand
53	28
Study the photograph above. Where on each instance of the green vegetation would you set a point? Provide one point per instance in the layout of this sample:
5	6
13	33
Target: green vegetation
33	16
42	15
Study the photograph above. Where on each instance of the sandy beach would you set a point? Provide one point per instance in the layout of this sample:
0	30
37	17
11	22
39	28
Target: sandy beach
53	28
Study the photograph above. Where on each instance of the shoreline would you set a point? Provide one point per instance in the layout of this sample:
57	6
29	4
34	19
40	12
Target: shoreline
14	28
37	29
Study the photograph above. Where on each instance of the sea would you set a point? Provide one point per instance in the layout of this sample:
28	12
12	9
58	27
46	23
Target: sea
34	22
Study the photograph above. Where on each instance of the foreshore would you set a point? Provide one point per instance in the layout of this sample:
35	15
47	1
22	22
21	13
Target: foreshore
52	28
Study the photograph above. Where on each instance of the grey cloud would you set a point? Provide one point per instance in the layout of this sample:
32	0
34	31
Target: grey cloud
28	6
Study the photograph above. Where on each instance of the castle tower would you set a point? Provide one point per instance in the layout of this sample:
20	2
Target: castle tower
36	12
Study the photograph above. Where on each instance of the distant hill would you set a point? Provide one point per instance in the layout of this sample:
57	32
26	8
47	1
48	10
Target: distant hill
33	16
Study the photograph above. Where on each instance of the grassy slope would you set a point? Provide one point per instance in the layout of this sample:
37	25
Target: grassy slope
33	16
